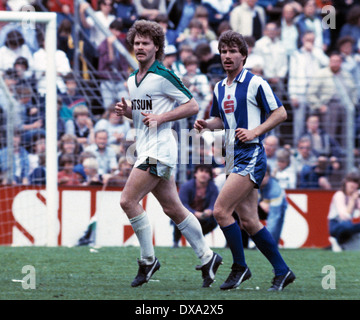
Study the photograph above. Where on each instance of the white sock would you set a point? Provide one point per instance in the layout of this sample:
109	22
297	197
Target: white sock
191	229
142	229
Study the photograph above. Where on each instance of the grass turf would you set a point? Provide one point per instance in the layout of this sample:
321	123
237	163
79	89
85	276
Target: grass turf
83	273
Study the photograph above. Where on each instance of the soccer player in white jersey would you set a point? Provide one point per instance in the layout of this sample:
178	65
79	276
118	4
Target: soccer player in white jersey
154	91
245	106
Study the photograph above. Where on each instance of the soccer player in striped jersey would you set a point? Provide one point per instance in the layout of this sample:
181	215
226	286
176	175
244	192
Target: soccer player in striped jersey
154	91
245	106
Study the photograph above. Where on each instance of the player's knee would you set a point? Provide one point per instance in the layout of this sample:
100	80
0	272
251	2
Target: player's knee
219	215
251	226
125	204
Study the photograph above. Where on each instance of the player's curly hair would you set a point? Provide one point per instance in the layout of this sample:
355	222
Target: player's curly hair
152	29
231	38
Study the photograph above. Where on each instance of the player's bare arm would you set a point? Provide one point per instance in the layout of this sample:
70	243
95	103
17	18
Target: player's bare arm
276	117
185	110
122	109
213	124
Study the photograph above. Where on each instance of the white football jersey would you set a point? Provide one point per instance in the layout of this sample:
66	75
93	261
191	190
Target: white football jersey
158	92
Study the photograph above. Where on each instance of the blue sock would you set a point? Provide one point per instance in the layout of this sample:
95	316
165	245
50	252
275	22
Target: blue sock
267	246
233	237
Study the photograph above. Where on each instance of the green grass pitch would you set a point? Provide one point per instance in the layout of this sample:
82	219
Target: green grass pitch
85	273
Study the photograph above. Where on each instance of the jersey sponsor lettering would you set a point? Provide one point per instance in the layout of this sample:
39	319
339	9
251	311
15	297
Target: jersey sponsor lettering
141	104
229	104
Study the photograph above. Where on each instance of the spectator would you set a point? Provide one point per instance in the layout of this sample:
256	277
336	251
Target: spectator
351	59
71	98
321	142
105	155
66	175
198	85
38	148
219	11
112	67
91	168
38	175
65	39
289	33
285	173
116	126
96	37
272	202
181	13
352	27
344	203
309	20
248	19
202	14
103	14
178	67
170	56
32	115
19	165
120	176
304	63
68	145
304	155
328	94
126	11
195	36
81	127
13	48
272	50
150	9
271	145
318	176
62	65
209	63
254	60
25	75
198	195
170	34
79	167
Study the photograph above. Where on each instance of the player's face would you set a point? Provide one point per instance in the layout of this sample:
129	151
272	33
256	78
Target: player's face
232	60
144	49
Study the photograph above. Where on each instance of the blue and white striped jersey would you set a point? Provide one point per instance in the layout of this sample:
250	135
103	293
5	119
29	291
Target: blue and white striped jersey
243	104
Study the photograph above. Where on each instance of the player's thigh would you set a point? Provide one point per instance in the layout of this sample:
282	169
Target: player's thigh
138	185
167	194
234	191
247	211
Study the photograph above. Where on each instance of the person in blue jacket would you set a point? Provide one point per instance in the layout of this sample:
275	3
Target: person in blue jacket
272	201
198	195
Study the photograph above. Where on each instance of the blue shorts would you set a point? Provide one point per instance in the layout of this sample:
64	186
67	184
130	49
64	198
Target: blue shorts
250	159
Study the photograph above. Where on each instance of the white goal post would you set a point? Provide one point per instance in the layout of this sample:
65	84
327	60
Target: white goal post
29	18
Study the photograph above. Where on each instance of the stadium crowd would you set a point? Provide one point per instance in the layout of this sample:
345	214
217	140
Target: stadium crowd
313	68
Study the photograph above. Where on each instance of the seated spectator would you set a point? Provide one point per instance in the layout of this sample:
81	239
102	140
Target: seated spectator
116	126
170	34
285	173
38	148
194	37
105	155
126	11
304	155
170	56
79	167
65	39
310	20
321	142
198	195
120	176
202	14
81	127
198	85
19	165
62	65
345	202
68	144
178	66
66	176
271	145
13	48
317	176
38	175
91	168
149	9
254	60
113	67
218	11
71	98
25	74
273	203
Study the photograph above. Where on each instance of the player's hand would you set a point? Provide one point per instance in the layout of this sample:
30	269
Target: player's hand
244	135
200	124
152	120
121	107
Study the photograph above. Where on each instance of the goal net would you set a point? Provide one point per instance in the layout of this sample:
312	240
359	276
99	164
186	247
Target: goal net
28	129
